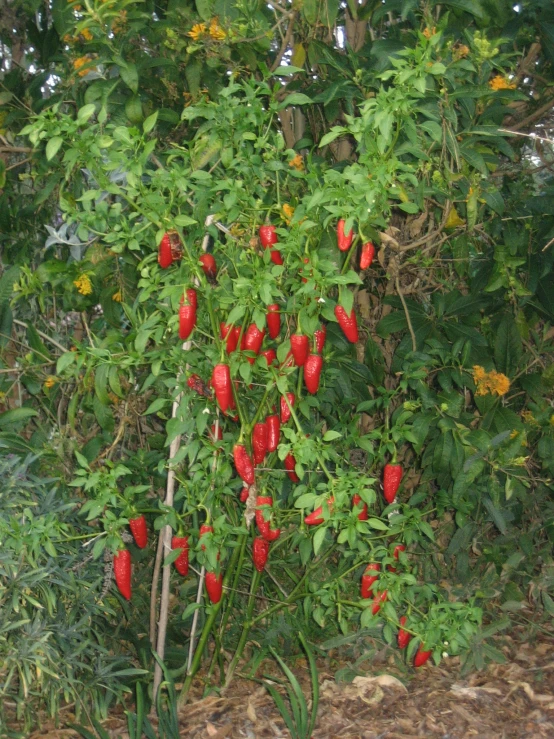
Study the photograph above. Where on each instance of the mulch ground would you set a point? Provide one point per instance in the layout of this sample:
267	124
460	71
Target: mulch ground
515	699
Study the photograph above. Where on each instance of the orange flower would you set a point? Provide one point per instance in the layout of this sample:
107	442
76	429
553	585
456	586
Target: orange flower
196	31
501	83
297	163
493	383
50	381
428	32
460	52
79	63
288	212
216	32
117	297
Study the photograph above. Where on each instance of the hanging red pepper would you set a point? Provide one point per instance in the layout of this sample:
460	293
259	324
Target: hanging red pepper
392	476
243	497
209	266
263	524
320	335
170	249
366	587
122	572
285	410
290	466
252	341
232	334
300	346
396	553
305	261
273	431
378	601
214	586
268	238
316	517
243	464
273	319
204	529
366	257
139	531
348	323
260	553
312	372
189	298
422	656
221	383
363	514
269	355
216	436
187	321
259	442
403	638
182	561
344	241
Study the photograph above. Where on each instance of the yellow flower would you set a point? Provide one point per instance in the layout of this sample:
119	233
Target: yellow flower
50	381
196	31
81	62
83	284
288	212
460	52
216	32
428	32
86	35
117	297
490	382
501	83
297	163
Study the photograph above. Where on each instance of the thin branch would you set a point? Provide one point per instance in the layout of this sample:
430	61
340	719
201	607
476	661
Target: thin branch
528	135
406	311
43	335
285	43
533	117
18	164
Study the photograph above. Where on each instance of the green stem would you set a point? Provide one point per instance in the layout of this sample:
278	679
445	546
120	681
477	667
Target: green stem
348	258
246	628
301	431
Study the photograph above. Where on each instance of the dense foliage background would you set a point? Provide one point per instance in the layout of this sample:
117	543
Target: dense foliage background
427	128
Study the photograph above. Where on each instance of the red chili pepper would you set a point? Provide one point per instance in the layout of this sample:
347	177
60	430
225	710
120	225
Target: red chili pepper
344	241
273	319
276	257
213	435
363	514
422	656
306	261
187	321
392	476
320	336
182	561
273	432
396	553
300	346
403	638
170	249
366	587
122	572
366	257
259	442
348	323
378	601
290	466
243	464
260	553
221	383
285	410
252	340
312	372
243	497
316	517
209	266
263	524
269	355
190	298
139	531
205	529
268	238
214	586
197	384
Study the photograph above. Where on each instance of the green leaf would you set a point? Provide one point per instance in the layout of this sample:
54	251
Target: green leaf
184	221
319	538
150	122
85	113
129	75
331	435
375	523
287	70
6	323
16	415
53	146
296	98
507	346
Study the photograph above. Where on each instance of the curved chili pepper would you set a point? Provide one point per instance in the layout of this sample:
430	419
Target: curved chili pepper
122	572
316	517
285	410
260	553
187	321
348	323
396	553
366	586
209	266
214	586
320	336
268	238
312	372
363	514
422	656
378	601
259	442
221	383
182	561
392	476
243	464
403	638
263	524
366	257
273	319
273	432
344	241
252	340
299	346
139	531
290	466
